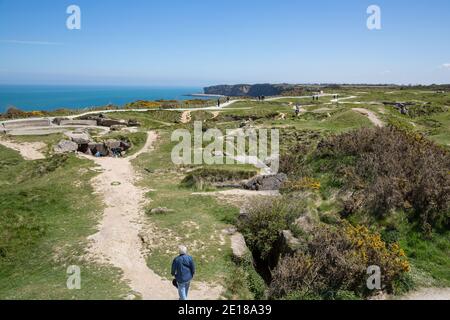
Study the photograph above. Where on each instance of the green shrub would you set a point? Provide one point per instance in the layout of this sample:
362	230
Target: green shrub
425	110
346	295
300	295
245	282
403	284
255	282
262	226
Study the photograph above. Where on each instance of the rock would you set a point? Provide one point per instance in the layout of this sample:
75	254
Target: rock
239	246
112	144
230	231
118	127
125	145
160	210
266	182
243	215
79	137
133	123
66	146
110	122
57	121
288	244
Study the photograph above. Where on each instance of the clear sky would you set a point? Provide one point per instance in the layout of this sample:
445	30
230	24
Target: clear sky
202	42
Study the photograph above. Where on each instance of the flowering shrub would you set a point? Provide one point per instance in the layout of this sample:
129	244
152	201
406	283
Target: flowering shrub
302	184
369	247
336	261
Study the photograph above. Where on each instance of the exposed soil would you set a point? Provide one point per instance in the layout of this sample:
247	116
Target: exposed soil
117	241
371	115
429	294
28	150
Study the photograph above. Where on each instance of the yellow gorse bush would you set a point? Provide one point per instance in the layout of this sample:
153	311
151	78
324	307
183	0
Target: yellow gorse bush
302	184
373	250
36	114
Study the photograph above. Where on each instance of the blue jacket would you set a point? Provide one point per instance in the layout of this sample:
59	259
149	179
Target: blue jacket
183	268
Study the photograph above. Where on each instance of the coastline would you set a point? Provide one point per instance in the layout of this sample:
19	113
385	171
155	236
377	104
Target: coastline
76	98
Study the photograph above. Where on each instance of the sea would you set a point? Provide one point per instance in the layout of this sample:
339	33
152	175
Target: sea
48	98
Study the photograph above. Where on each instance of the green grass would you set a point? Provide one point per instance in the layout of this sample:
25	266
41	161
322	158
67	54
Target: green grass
45	219
429	255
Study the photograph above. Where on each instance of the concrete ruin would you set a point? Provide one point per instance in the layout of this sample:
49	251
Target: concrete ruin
34	126
102	121
17	124
266	182
81	141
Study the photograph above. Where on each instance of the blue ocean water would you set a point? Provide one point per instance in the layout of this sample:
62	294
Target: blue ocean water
29	98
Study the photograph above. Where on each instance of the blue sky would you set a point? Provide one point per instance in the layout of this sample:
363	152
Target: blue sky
202	42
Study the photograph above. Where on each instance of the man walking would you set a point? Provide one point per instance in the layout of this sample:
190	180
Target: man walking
183	269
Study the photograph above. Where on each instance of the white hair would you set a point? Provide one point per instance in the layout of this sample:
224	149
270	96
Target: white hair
182	249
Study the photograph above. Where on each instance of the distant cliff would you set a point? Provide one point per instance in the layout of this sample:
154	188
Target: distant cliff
247	90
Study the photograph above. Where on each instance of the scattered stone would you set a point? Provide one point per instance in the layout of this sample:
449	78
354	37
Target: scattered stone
288	244
133	123
239	246
230	231
79	137
161	210
66	146
243	215
118	127
266	182
112	144
111	122
57	121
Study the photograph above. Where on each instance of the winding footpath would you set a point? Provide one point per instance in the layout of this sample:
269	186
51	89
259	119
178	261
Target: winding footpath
117	241
371	115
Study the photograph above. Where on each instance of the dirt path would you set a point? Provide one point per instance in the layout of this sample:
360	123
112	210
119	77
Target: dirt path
186	117
371	115
215	114
28	150
118	242
429	294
